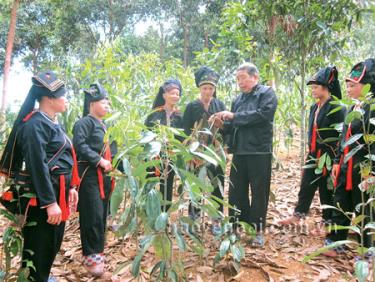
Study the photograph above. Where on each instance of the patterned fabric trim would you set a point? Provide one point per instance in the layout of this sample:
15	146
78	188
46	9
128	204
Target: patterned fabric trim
94	259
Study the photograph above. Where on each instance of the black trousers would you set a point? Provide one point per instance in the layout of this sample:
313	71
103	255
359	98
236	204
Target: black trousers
93	211
166	189
216	176
310	182
348	200
43	241
254	172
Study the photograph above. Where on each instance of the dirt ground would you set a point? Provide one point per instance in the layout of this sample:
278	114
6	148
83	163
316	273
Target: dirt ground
280	260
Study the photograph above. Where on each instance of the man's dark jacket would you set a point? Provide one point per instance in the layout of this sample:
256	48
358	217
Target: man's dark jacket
251	130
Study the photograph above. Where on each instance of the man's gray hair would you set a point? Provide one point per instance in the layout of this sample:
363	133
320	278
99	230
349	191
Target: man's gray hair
250	68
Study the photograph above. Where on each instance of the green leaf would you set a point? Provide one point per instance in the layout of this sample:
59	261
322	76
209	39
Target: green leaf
318	171
309	166
28	195
352	139
146	242
8	215
369	138
179	239
353	115
326	248
330	207
175	131
322	161
361	269
197	247
249	229
126	221
358	219
117	196
370	225
173	275
153	149
353	152
147	137
328	162
136	265
339	126
322	25
153	206
194	146
370	157
340	227
365	89
238	252
127	167
156	267
163	246
224	247
202	174
336	109
113	117
24	273
330	139
205	157
213	153
161	221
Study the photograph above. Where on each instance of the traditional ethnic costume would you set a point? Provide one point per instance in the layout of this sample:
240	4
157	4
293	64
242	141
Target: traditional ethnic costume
96	185
40	158
173	119
347	192
323	139
196	116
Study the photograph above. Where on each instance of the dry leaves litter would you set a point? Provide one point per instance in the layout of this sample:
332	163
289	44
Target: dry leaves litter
280	260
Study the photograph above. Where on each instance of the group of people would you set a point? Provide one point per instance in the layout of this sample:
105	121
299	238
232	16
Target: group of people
345	177
41	159
62	174
247	129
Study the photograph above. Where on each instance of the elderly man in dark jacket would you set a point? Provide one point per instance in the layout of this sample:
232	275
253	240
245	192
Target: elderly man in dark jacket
249	125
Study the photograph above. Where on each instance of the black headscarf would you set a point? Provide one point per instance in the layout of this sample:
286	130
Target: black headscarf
206	75
169	84
328	77
44	84
96	92
364	72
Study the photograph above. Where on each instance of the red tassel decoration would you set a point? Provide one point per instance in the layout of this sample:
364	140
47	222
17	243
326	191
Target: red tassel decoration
62	201
75	176
349	172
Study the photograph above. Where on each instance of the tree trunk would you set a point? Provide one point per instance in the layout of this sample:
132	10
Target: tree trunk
206	38
186	45
34	64
303	110
110	19
8	52
161	47
302	92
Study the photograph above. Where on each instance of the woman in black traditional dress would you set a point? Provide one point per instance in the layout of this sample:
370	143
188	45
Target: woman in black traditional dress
166	112
94	162
323	142
197	114
40	158
348	171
